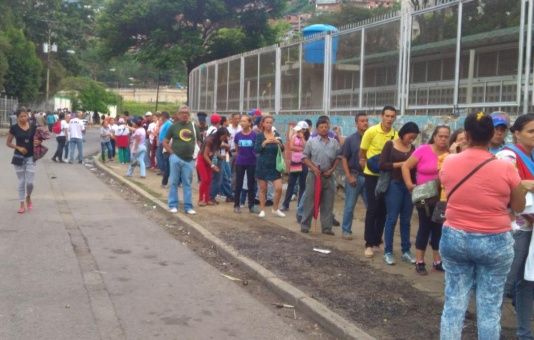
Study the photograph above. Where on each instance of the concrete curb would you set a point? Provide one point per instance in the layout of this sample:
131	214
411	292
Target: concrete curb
333	322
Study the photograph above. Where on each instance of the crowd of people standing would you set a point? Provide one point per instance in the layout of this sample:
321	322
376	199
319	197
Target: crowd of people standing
472	191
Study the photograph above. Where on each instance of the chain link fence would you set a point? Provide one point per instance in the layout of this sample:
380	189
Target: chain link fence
7	106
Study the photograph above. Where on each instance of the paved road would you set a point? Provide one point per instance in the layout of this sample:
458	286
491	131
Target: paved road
85	264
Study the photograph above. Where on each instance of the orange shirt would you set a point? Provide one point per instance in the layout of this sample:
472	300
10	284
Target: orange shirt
479	205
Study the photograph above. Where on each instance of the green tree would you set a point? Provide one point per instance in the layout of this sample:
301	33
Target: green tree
23	76
169	32
4	46
89	95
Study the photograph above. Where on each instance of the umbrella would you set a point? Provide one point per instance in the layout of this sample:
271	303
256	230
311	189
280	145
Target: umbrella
317	198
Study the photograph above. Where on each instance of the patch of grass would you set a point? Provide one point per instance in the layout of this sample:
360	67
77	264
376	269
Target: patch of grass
139	109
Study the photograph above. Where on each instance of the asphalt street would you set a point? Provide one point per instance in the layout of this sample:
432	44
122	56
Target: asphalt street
85	264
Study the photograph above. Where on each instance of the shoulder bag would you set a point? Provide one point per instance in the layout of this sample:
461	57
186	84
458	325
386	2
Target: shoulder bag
438	216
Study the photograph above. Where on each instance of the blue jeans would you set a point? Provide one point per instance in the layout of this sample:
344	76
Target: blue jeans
106	147
138	158
523	290
351	197
181	172
163	165
76	143
469	258
398	202
221	182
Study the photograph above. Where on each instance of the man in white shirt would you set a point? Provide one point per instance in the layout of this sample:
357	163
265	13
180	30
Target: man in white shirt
233	129
152	141
76	131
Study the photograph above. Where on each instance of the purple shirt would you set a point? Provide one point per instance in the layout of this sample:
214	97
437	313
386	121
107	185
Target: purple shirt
245	148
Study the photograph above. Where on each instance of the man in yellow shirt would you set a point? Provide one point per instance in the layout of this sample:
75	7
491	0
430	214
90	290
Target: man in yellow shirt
371	147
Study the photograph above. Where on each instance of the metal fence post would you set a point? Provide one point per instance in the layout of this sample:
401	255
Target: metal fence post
326	72
241	84
362	64
528	56
278	81
458	51
215	81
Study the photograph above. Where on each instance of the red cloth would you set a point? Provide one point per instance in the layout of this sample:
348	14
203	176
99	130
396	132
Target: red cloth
206	174
317	196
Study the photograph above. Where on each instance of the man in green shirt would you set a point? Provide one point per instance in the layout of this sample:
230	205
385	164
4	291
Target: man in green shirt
180	142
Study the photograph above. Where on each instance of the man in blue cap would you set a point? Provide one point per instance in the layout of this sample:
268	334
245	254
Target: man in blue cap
501	123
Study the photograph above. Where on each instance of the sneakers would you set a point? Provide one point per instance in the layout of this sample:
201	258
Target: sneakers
261	214
389	259
369	252
346	236
328	232
173	210
278	213
438	266
335	222
190	212
408	257
237	210
420	268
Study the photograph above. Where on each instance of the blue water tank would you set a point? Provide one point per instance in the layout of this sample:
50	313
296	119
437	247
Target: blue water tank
314	50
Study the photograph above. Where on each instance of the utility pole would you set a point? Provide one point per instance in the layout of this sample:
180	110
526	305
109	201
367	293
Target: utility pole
157	91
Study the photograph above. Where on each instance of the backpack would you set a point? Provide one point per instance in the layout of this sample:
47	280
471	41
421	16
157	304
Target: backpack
57	127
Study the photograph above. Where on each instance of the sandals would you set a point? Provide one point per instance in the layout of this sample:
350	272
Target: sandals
21	210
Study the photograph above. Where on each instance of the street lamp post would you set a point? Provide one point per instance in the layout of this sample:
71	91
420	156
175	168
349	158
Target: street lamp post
48	48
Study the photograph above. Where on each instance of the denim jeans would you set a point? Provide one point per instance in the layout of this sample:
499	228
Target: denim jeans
76	143
398	203
163	164
222	181
106	147
524	290
469	258
351	197
181	172
138	158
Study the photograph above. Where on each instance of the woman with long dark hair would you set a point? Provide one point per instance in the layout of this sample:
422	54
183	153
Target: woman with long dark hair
520	155
206	165
24	135
268	143
245	163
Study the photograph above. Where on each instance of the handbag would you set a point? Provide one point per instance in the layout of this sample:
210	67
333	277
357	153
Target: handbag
426	195
382	185
438	216
280	163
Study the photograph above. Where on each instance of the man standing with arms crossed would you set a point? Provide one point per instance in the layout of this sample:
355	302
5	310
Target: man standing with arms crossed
354	178
371	147
180	143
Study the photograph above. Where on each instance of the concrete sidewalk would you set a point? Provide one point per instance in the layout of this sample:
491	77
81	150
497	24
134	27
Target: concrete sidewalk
432	284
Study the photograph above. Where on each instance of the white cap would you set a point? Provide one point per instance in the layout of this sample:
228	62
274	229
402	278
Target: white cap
148	114
301	126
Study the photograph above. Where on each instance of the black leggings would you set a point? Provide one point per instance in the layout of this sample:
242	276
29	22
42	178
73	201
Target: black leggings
427	230
240	176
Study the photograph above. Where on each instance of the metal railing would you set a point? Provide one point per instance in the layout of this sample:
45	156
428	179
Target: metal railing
452	55
7	106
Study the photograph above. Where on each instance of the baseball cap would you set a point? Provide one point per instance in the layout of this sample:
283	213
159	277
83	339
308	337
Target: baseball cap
121	120
500	118
215	118
302	125
148	113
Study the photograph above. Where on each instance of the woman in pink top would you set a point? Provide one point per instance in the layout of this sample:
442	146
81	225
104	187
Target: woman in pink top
476	245
427	160
297	170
